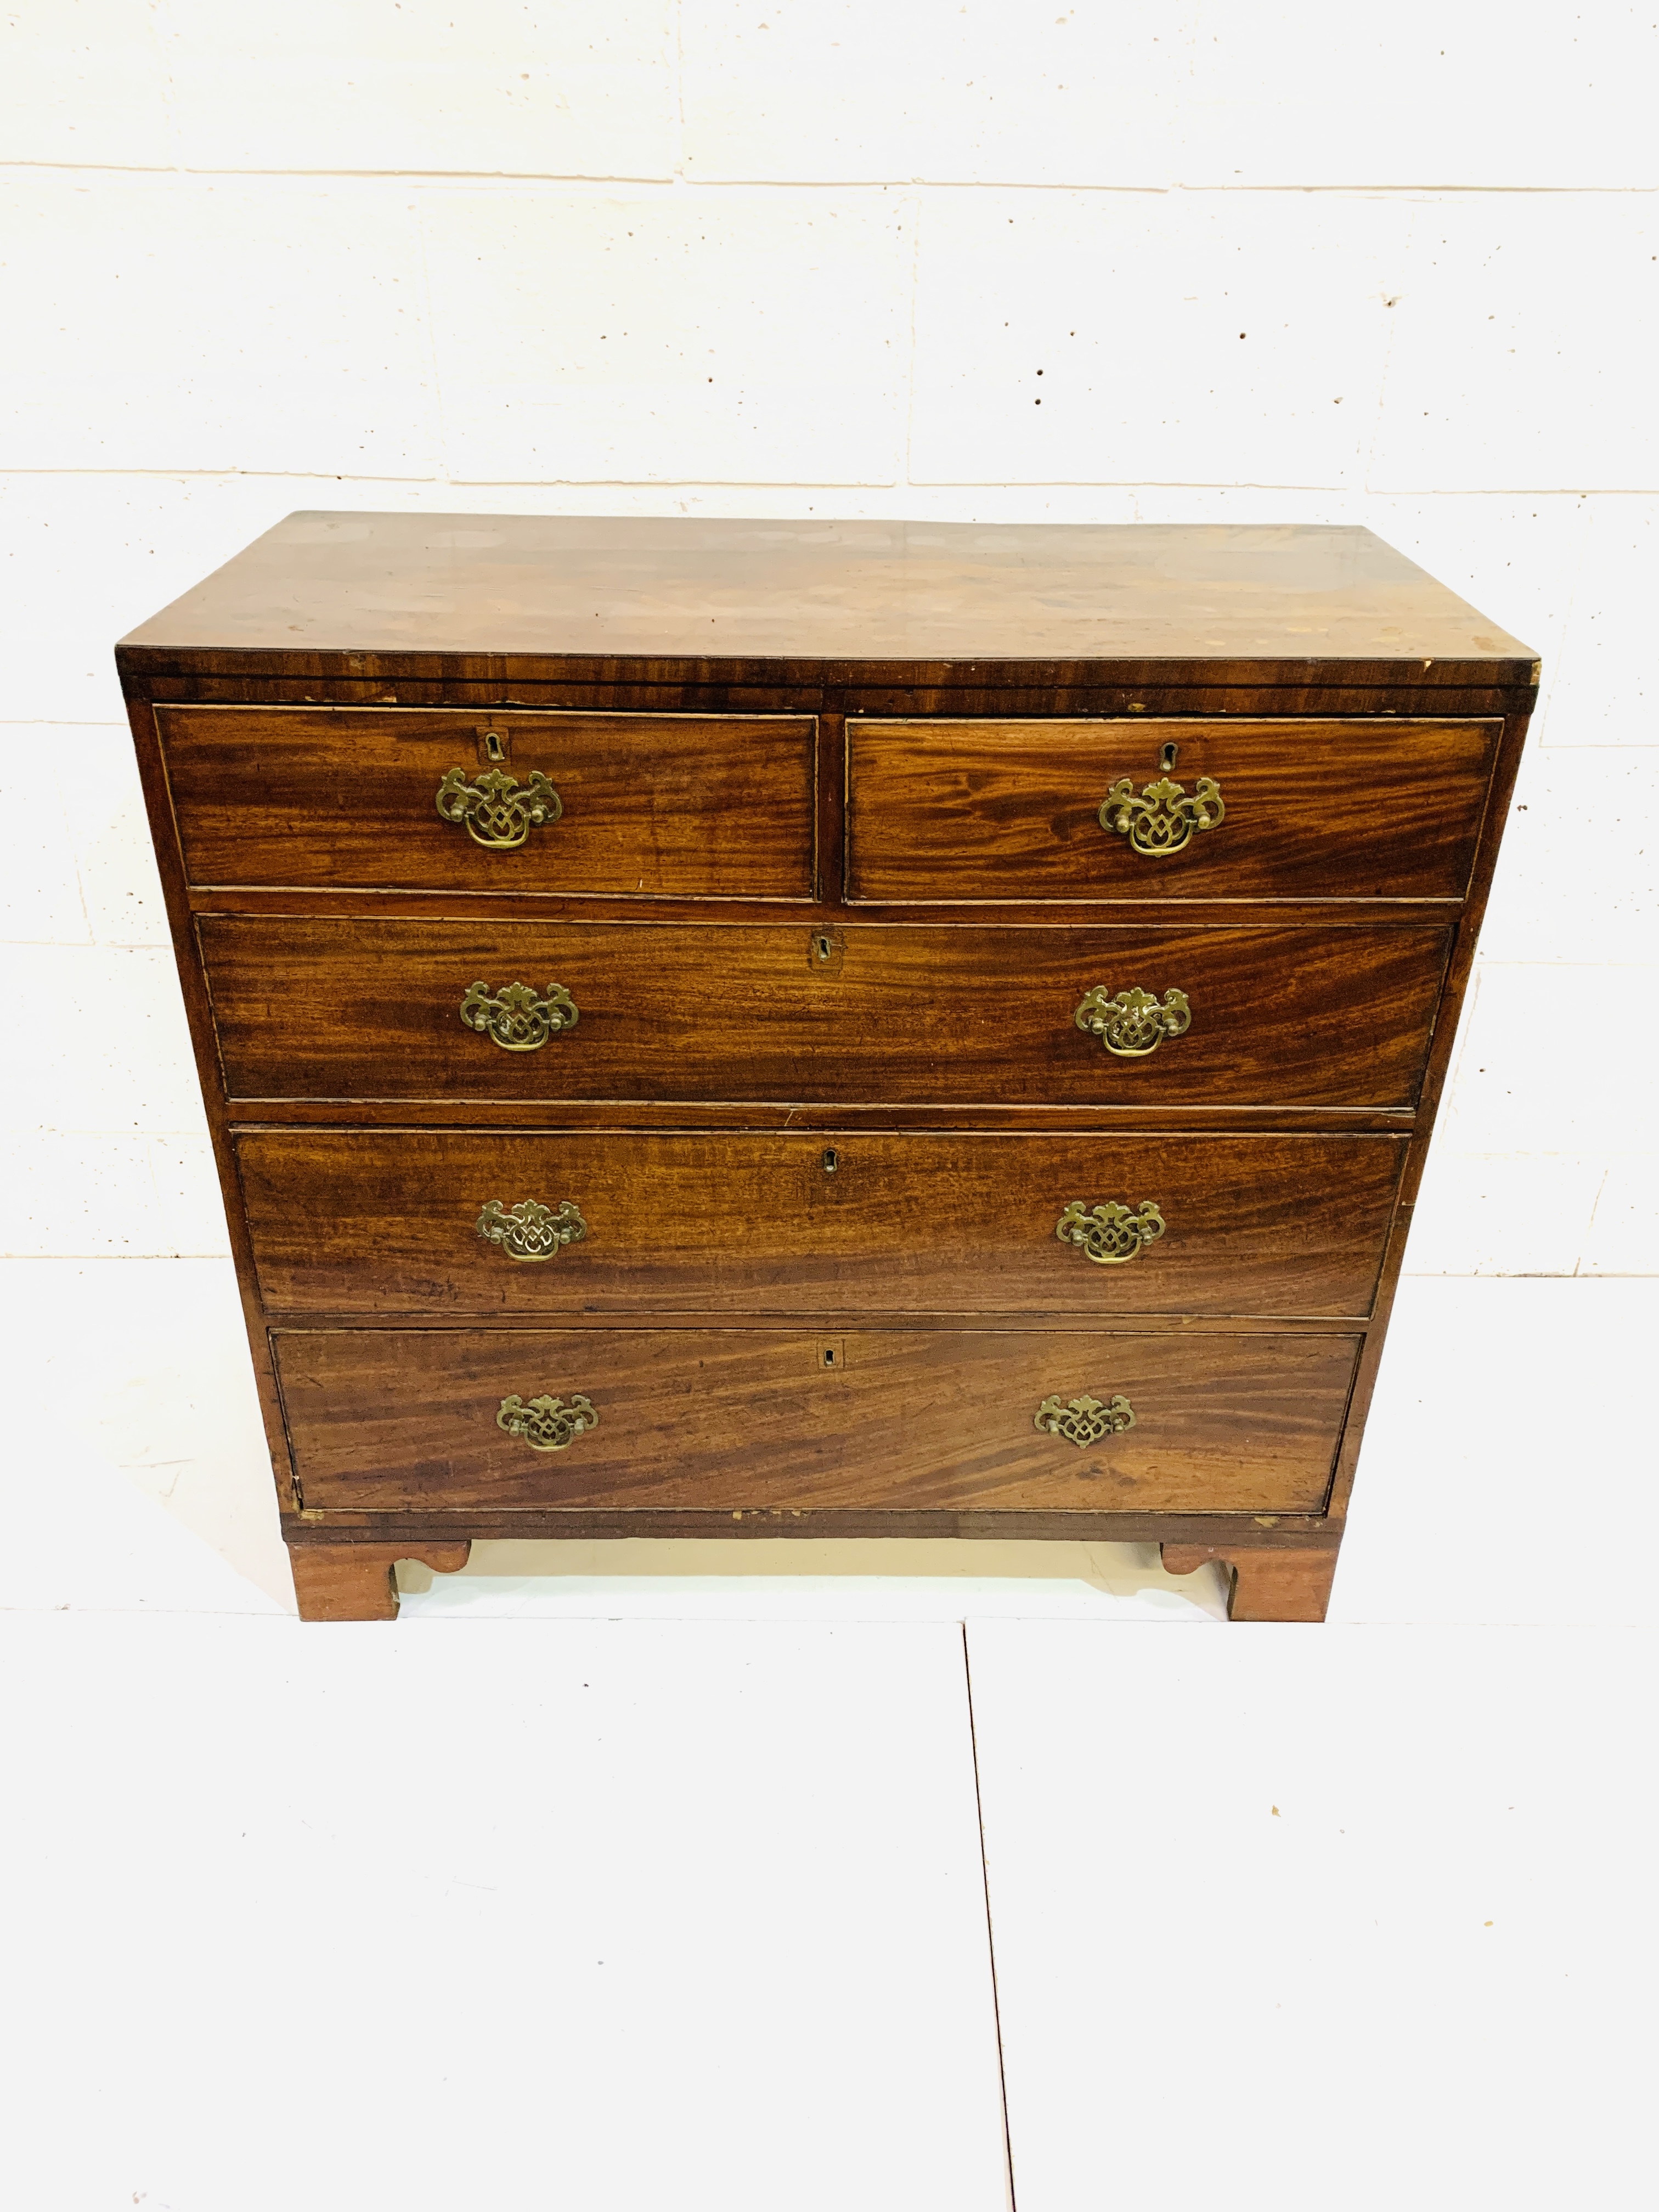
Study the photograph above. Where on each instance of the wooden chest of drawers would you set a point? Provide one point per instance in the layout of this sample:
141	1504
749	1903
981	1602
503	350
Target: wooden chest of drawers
820	1029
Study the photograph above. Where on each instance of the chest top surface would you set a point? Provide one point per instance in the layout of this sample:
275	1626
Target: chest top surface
922	591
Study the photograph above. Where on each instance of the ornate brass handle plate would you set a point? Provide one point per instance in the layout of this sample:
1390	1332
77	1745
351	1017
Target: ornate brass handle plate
547	1424
1111	1234
530	1230
515	1018
496	809
1084	1421
1163	820
1132	1024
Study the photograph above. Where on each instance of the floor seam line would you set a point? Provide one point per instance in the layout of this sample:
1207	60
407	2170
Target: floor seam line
990	1932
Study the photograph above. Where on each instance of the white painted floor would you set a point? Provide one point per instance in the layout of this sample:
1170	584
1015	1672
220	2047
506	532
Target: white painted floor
630	1886
563	1913
1361	1917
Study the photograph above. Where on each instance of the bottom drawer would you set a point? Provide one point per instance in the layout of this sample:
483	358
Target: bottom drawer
418	1420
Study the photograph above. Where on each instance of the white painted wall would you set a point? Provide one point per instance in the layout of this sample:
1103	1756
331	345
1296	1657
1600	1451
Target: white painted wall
761	256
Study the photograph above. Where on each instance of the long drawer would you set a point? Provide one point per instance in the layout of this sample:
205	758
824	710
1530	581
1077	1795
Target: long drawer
621	806
1174	809
434	1420
1332	1015
459	1222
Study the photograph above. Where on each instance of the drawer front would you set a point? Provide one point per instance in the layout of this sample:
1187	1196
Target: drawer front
1327	1016
419	1420
963	811
451	1223
382	798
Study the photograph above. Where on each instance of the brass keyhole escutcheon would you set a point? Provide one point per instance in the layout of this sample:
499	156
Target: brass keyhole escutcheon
494	745
825	950
1166	759
831	1160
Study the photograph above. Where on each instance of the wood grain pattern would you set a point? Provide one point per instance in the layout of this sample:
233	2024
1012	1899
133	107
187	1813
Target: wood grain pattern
357	1581
739	1419
718	1063
384	1222
1333	1016
1302	599
655	805
594	684
946	810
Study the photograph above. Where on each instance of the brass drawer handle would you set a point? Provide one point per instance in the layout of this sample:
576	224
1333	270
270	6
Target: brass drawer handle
530	1230
1163	820
515	1018
547	1424
1111	1234
1132	1024
497	812
1084	1420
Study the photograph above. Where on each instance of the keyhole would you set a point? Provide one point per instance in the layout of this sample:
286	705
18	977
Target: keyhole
830	1162
493	746
828	1355
1169	757
824	947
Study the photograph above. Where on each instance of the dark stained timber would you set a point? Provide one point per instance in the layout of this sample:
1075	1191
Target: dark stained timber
840	1029
1338	1016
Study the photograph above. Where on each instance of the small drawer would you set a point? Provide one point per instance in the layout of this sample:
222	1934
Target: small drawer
453	1222
533	1013
574	805
435	1420
954	813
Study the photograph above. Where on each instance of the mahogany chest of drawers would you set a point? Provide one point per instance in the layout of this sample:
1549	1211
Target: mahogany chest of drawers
844	1029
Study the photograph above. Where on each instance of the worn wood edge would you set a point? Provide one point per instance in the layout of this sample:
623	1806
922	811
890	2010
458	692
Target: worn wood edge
1108	697
600	910
1245	703
1154	1123
797	1114
672	1321
1141	678
804	1319
801	716
765	1117
1266	1532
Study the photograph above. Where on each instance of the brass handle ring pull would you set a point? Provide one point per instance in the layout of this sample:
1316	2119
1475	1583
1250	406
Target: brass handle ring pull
515	1018
529	1231
547	1424
1163	820
1132	1024
496	811
1111	1234
1084	1421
